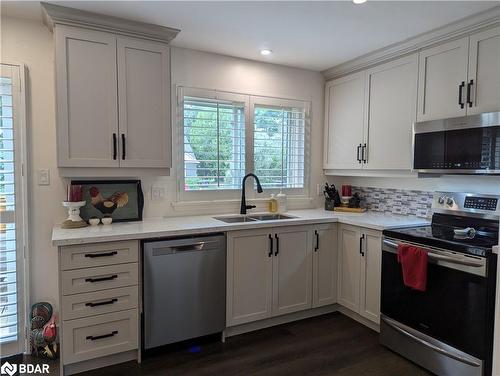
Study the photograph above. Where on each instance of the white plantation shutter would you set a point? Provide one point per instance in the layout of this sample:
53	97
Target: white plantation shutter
214	143
279	146
226	135
12	215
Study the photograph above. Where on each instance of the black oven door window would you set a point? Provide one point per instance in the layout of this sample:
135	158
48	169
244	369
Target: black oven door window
452	309
463	149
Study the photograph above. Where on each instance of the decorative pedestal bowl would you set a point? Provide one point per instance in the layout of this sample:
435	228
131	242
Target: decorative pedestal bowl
74	220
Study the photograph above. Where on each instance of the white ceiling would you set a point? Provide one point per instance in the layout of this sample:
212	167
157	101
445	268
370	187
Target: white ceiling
306	34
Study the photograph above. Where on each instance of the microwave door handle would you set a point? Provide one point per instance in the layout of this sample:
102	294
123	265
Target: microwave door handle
430	345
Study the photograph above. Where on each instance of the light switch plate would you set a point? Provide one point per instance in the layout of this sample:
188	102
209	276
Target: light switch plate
157	193
43	176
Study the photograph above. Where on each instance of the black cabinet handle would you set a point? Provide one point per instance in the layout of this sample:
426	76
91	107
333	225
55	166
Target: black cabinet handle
93	338
100	279
270	245
123	146
104	254
358	158
363	153
317	240
460	88
277	244
361	245
115	149
111	301
469	87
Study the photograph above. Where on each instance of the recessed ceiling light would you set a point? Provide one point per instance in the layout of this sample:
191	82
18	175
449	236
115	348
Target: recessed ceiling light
359	1
266	52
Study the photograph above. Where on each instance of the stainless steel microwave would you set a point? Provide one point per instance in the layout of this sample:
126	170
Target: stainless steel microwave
462	145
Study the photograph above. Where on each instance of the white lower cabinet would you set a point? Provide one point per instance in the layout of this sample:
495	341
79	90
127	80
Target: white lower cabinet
359	268
270	271
325	263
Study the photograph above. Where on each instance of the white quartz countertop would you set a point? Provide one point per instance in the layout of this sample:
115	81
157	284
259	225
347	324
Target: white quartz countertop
177	226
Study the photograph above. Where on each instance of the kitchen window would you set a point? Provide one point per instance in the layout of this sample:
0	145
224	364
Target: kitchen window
226	135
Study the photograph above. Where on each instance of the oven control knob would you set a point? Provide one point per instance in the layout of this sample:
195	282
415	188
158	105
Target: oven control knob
449	201
441	200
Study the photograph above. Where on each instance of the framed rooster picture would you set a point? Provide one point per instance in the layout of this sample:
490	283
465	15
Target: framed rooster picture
122	200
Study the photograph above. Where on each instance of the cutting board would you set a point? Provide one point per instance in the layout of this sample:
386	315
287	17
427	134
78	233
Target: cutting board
345	209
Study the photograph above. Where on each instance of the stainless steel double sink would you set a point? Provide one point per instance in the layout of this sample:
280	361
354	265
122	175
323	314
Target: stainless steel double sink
253	218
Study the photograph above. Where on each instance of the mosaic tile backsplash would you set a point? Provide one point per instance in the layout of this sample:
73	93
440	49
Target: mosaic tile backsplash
396	201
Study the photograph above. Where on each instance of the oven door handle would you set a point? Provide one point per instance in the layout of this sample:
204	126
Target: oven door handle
435	256
430	345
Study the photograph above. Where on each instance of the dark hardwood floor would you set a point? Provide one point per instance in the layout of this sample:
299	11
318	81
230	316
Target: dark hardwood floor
332	344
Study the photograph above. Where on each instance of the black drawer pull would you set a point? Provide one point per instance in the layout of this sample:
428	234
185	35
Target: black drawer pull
317	240
105	254
111	301
358	158
100	279
93	338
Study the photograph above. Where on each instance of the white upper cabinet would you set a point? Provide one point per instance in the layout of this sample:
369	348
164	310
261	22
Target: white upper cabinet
442	76
392	89
484	72
87	108
344	122
144	103
113	95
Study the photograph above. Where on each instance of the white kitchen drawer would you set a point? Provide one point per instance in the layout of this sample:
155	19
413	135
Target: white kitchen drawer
101	278
99	302
91	255
98	336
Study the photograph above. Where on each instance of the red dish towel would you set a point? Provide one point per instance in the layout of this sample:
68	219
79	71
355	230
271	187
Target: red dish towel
413	261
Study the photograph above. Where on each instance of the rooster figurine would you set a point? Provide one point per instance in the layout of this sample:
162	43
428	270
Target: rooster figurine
107	205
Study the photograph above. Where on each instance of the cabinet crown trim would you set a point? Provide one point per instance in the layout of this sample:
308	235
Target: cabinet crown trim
56	14
454	30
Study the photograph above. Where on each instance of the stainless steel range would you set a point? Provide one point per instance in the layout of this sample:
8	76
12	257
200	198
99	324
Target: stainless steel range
448	328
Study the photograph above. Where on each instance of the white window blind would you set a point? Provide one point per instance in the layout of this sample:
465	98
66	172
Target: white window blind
279	146
214	143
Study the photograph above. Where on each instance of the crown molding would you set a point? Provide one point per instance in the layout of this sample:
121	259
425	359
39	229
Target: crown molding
448	32
53	15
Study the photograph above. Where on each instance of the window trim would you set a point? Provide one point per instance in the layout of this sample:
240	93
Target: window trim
22	234
249	100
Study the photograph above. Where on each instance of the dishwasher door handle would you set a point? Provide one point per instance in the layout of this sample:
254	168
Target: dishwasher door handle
188	247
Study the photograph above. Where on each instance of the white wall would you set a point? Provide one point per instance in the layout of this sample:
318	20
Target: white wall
210	71
29	42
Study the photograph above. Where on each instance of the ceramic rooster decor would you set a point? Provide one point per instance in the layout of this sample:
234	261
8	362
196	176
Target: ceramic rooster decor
107	205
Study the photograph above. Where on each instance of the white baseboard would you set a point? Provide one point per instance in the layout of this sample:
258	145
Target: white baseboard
262	324
105	361
357	317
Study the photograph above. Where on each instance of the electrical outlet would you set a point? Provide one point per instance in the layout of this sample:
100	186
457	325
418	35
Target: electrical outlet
157	193
43	176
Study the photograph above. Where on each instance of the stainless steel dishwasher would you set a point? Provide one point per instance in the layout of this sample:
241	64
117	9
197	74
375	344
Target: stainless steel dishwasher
184	289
